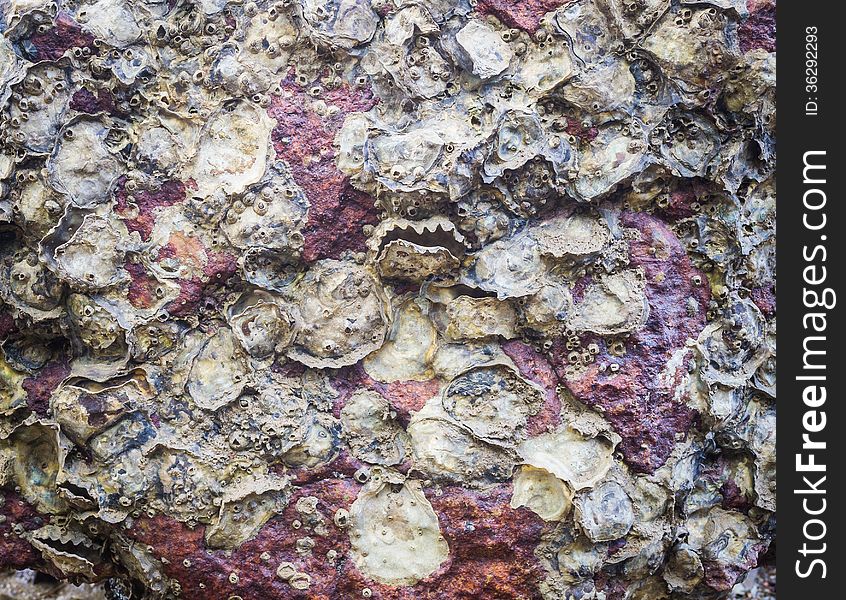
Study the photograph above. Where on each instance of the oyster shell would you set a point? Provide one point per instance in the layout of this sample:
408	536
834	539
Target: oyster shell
261	324
85	163
392	522
244	510
373	435
416	250
233	150
577	459
605	512
408	351
616	304
493	402
218	372
342	315
542	493
93	257
488	54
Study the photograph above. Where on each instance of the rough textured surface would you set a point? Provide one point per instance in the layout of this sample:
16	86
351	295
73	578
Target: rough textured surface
643	407
522	15
442	299
759	31
304	140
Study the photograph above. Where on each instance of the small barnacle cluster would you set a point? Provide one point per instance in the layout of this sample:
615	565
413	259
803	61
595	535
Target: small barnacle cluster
389	298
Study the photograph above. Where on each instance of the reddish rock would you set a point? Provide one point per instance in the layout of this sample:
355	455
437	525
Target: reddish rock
407	397
147	201
723	576
186	249
759	30
190	296
491	551
522	14
40	386
278	538
220	266
765	299
305	141
536	368
16	552
86	102
217	268
347	380
142	286
734	498
64	35
576	128
582	283
482	524
681	200
642	411
719	473
7	325
614	588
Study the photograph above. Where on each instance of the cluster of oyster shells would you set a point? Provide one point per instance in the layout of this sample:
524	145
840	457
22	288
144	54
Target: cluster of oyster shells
180	341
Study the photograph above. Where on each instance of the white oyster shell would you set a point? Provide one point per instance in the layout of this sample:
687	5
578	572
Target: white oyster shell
394	532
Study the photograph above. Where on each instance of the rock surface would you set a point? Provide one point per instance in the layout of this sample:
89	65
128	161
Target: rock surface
443	299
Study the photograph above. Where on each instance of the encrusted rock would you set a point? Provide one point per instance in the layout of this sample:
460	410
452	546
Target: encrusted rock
387	298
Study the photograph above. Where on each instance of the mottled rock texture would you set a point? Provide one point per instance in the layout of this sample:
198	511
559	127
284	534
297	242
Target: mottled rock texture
332	299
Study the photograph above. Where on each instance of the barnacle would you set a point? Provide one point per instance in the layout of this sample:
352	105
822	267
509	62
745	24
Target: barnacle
388	297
